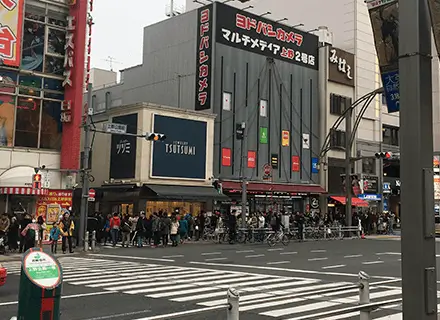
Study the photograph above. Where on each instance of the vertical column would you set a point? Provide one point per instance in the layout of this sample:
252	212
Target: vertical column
348	186
416	151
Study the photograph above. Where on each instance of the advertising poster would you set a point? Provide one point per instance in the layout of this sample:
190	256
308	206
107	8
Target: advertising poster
226	157
204	57
183	154
263	135
11	25
295	163
252	159
253	33
436	187
51	206
123	149
384	16
315	165
285	138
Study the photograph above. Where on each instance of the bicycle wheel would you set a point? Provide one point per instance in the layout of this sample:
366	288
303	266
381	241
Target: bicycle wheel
272	241
285	240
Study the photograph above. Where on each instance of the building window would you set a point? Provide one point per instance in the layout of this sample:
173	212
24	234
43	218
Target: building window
51	126
337	139
368	166
27	124
338	104
263	108
390	135
227	101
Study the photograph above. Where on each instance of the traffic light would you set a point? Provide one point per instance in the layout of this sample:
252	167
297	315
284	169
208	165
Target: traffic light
36	181
155	136
383	155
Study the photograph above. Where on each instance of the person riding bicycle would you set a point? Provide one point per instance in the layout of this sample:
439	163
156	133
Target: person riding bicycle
278	224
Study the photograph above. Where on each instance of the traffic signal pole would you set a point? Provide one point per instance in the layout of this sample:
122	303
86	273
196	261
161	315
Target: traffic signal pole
416	154
85	169
348	187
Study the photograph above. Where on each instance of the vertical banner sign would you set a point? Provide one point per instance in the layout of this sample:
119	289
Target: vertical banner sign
384	16
252	159
89	42
226	157
285	138
123	149
315	165
263	135
295	163
11	30
204	57
434	9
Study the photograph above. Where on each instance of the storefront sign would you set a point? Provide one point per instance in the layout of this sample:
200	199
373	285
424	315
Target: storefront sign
89	41
250	32
11	26
263	135
285	138
436	187
295	163
370	197
315	165
123	149
370	184
341	67
42	269
226	157
204	57
66	111
386	187
183	154
252	159
70	51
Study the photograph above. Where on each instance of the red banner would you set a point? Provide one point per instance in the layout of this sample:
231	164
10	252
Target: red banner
252	159
226	157
295	163
11	30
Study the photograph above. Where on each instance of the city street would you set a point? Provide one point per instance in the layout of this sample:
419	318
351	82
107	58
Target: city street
279	282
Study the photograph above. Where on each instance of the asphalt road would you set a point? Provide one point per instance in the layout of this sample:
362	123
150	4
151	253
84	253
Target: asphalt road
279	282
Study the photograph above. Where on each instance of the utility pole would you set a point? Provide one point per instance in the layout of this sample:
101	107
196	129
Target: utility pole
171	8
348	187
380	186
416	153
85	168
243	175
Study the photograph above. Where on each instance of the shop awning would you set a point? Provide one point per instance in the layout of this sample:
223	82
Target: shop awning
275	187
354	201
23	191
186	192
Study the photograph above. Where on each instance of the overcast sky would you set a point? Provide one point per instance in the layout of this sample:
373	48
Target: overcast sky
118	29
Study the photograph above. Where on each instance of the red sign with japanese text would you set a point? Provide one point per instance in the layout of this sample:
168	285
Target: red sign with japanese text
226	157
49	206
204	59
11	30
252	159
295	163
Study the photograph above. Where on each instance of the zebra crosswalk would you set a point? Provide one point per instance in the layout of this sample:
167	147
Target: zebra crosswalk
271	296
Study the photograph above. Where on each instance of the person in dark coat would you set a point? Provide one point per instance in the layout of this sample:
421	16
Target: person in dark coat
23	224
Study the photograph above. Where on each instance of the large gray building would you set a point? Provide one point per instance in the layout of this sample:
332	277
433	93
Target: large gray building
249	71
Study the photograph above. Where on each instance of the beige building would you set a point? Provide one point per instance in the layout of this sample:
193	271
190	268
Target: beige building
133	174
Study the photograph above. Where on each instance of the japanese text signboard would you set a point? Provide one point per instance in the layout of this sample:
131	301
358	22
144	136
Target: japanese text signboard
204	58
42	269
11	25
341	67
70	51
253	33
384	16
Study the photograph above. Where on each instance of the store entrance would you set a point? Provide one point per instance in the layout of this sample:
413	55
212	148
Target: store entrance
123	208
170	206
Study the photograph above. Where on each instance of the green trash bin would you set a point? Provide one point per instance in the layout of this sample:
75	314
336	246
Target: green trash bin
41	281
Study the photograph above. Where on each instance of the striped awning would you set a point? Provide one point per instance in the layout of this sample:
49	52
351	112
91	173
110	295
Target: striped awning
23	191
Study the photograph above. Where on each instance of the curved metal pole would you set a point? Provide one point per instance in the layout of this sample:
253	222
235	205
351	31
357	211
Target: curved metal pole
359	118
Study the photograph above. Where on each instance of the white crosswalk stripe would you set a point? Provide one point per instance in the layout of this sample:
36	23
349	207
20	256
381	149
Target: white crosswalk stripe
268	295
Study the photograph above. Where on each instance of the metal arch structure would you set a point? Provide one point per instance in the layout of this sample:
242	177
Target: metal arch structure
366	100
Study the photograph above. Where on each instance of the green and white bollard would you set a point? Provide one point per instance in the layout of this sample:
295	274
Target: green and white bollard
41	281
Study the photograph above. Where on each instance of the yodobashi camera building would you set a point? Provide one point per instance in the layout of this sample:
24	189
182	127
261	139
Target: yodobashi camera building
251	72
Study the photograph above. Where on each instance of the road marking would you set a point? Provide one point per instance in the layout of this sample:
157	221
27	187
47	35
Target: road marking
278	262
216	259
182	313
278	249
372	262
128	257
334	267
317	259
175	256
351	275
388	254
67	297
287	253
244	251
211	253
318	251
353	256
127	314
255	256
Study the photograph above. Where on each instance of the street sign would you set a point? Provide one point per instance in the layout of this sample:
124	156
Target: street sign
40	286
117	128
267	169
92	194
